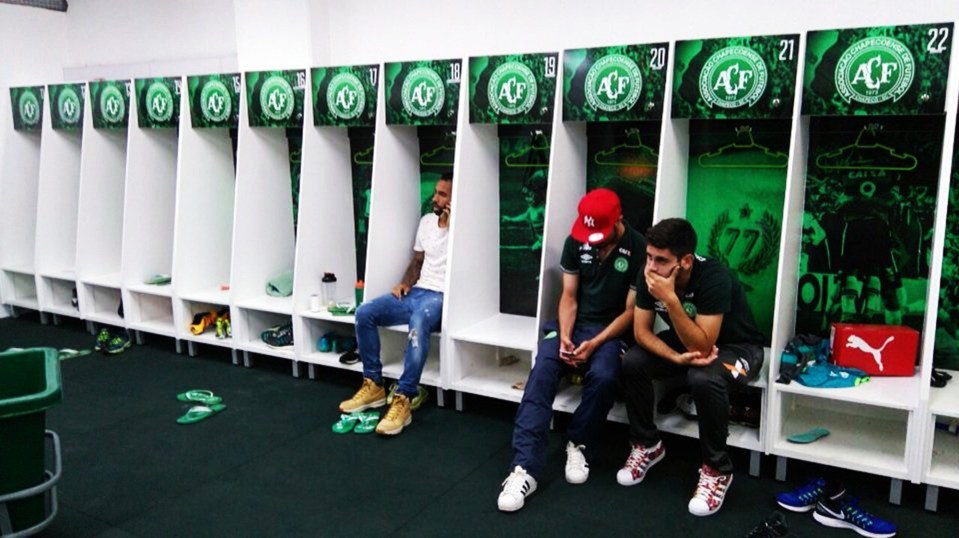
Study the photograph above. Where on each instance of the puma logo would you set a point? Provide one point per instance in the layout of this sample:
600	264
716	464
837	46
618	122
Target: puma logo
857	342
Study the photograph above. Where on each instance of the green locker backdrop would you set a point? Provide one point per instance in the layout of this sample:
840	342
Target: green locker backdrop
423	92
736	188
27	106
947	324
867	225
158	102
344	96
275	98
437	148
110	100
361	160
624	157
214	100
888	70
294	139
66	106
513	89
737	77
524	171
620	83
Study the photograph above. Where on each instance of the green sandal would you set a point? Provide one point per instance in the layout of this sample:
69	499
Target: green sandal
205	397
67	353
809	436
421	396
346	423
368	422
200	412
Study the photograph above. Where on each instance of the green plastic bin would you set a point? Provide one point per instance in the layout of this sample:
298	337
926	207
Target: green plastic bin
29	385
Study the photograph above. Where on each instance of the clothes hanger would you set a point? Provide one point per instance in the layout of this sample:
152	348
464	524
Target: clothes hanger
360	157
646	156
856	156
744	144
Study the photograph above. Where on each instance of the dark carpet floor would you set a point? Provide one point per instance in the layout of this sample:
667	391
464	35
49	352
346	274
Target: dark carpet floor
270	466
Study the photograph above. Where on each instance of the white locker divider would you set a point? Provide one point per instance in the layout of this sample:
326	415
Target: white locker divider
263	236
18	216
103	161
483	342
567	184
325	236
57	198
394	219
203	224
148	226
937	453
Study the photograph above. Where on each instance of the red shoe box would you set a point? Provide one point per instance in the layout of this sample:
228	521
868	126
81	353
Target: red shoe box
879	350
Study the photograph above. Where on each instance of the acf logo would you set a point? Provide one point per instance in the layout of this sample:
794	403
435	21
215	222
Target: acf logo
68	105
423	93
733	77
29	107
159	101
512	89
112	106
276	98
874	70
216	102
345	96
613	83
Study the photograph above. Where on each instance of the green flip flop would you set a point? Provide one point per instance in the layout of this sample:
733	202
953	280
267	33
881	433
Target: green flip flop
158	280
808	437
200	412
67	353
421	396
368	422
346	423
205	397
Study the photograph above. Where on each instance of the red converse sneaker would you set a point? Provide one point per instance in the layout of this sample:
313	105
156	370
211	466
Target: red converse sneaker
639	462
710	491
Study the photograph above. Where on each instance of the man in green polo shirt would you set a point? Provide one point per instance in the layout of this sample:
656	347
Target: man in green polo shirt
712	340
600	261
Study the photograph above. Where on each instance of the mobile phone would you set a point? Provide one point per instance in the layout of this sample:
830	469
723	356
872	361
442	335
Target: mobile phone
567	353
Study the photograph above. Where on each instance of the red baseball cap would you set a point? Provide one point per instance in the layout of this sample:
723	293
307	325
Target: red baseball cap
599	211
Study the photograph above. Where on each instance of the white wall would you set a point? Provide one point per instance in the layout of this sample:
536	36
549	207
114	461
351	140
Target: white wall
274	34
135	38
32	41
367	31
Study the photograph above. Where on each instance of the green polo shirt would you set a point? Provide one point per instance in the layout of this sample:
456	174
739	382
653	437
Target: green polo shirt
712	289
603	285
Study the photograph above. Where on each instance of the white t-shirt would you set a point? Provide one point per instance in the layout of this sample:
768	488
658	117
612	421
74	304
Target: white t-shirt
431	239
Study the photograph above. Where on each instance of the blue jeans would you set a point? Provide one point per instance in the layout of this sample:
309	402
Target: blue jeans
531	431
422	310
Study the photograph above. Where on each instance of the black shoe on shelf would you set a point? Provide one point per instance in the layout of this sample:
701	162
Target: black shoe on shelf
350	357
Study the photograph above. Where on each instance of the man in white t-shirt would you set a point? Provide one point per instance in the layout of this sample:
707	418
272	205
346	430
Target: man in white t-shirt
416	301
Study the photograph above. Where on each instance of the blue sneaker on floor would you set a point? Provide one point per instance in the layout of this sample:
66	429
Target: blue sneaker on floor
843	512
118	343
804	498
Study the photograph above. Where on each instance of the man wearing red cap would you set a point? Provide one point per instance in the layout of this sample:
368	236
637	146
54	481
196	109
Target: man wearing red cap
600	261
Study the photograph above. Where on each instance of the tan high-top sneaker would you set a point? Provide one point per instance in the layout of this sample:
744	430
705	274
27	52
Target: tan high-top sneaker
369	395
398	417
